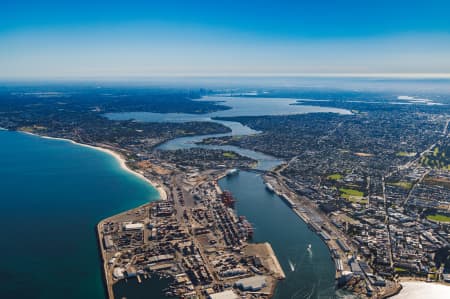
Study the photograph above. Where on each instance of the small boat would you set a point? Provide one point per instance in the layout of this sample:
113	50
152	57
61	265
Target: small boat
292	266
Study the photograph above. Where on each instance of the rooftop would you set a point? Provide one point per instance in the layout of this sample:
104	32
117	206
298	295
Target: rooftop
229	294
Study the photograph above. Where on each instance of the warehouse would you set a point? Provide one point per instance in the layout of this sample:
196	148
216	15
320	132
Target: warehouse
254	283
133	226
229	294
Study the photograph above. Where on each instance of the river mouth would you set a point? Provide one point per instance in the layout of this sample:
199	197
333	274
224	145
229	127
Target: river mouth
304	257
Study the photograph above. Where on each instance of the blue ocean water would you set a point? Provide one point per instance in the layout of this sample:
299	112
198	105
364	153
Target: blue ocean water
52	195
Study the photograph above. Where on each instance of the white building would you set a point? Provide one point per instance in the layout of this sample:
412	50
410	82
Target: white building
133	226
254	283
229	294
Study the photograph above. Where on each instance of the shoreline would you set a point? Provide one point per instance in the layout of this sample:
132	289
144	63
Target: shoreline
275	271
163	196
108	286
118	157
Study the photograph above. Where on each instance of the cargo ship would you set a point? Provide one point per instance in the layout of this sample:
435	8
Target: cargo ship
269	187
232	172
288	201
228	199
246	227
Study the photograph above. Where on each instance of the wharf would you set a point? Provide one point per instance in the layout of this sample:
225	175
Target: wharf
309	214
277	267
108	280
107	283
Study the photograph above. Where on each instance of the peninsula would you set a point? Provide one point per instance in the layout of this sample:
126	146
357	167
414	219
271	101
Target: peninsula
194	237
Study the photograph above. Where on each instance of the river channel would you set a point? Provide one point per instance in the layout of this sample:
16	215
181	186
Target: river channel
309	272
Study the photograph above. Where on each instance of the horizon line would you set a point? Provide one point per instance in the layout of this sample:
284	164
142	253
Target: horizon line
230	75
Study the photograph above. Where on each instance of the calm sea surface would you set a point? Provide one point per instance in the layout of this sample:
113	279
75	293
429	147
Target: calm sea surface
52	195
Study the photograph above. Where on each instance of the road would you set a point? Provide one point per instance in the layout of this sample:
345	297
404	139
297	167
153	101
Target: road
391	255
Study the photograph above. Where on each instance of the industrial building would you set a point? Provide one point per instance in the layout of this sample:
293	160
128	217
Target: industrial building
229	294
254	283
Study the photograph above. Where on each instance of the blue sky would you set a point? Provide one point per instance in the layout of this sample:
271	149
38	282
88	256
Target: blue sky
150	38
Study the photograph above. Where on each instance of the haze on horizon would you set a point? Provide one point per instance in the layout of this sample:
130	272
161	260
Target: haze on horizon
99	38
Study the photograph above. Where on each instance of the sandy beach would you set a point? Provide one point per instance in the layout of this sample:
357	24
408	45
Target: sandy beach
119	159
